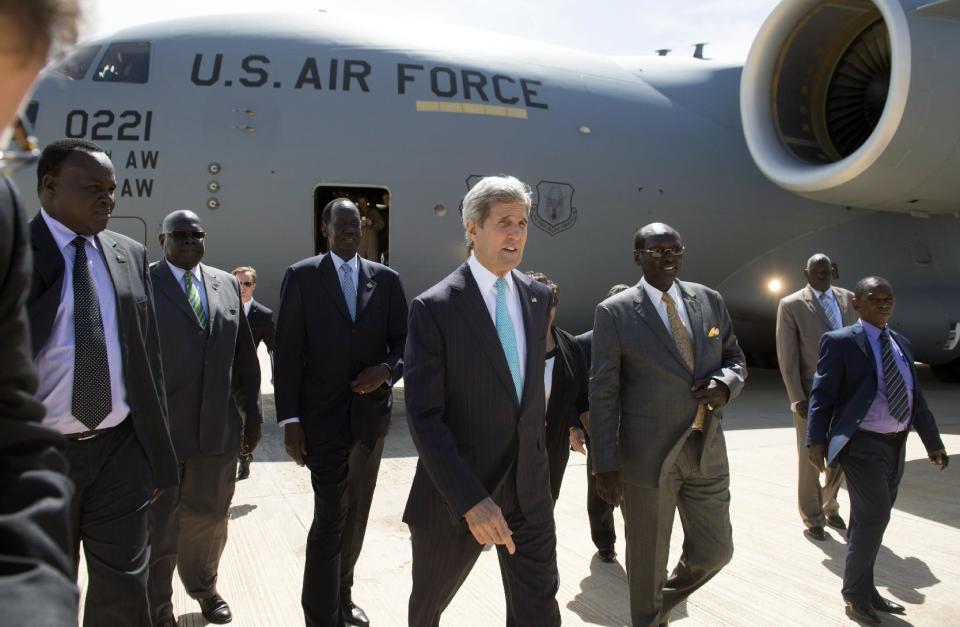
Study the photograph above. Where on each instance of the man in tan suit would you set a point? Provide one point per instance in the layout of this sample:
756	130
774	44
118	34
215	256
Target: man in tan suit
802	318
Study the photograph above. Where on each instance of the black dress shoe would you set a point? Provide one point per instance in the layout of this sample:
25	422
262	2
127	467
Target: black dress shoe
168	621
836	521
607	555
886	605
243	470
817	533
353	615
861	613
215	610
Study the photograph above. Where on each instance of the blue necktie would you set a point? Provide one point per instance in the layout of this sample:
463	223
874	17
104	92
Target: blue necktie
829	311
349	290
508	338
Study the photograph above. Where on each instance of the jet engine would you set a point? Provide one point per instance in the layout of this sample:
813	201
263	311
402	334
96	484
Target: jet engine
857	102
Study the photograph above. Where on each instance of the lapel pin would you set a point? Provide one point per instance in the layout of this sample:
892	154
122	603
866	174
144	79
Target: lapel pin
371	284
121	259
533	300
714	332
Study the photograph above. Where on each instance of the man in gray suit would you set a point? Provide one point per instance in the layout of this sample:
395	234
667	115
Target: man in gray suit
802	318
665	362
211	363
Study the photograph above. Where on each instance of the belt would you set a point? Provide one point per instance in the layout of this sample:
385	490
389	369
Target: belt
83	436
883	436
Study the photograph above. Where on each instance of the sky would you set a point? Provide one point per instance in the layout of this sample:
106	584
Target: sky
604	26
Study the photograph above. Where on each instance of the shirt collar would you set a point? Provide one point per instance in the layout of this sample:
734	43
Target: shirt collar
657	296
61	234
872	331
179	272
354	263
484	278
820	294
247	306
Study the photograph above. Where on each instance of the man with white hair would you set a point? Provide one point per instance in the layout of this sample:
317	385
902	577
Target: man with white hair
473	368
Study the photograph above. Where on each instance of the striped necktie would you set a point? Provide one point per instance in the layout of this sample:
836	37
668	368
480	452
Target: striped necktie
92	400
508	338
829	311
193	297
349	290
897	399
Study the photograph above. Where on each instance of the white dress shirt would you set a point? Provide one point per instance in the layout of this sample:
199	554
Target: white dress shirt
197	280
656	296
337	263
548	378
246	307
831	302
485	281
55	361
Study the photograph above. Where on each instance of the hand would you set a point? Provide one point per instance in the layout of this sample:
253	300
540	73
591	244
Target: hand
578	440
609	487
711	393
370	379
817	454
251	437
940	458
488	525
294	442
802	408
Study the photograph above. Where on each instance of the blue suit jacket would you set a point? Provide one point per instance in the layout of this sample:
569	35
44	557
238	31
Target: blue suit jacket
845	386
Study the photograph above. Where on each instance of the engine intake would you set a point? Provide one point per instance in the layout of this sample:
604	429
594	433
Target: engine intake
854	102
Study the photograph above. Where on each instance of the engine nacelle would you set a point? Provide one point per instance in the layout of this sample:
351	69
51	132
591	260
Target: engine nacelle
855	102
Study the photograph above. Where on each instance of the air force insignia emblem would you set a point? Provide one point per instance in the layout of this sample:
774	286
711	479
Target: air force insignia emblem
554	212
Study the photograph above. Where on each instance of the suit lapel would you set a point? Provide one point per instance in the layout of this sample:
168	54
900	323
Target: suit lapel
365	287
330	281
847	312
474	310
49	266
814	304
525	294
117	266
695	314
214	289
650	316
167	283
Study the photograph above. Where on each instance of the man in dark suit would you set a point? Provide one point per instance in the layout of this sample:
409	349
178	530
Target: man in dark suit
260	319
36	555
475	407
865	398
802	319
212	372
341	330
665	362
97	352
602	530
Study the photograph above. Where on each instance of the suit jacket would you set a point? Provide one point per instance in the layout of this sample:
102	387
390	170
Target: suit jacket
261	325
585	342
640	403
320	350
126	261
207	371
462	408
801	322
568	399
846	385
36	557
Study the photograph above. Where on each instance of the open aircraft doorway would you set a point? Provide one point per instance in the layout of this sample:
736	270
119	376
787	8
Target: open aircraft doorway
374	205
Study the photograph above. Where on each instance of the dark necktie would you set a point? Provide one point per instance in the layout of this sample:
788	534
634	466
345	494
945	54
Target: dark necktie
91	370
897	399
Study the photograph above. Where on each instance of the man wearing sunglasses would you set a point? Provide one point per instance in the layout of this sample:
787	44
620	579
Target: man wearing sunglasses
665	362
260	319
211	365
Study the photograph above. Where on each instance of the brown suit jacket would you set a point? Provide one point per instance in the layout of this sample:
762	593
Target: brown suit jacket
801	322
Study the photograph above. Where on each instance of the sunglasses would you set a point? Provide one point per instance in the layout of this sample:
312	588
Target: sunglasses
248	283
657	253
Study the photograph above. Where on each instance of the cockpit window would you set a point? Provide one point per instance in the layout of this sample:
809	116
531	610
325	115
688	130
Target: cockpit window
76	64
125	62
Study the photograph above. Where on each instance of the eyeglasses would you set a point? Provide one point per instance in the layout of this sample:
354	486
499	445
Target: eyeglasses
248	283
656	253
182	235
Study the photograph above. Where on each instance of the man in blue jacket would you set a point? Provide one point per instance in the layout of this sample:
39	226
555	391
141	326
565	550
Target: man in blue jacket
865	398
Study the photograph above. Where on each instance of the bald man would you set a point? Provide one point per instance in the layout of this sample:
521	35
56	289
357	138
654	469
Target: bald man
802	319
211	364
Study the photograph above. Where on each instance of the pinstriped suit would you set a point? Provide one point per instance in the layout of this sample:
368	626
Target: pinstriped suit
475	442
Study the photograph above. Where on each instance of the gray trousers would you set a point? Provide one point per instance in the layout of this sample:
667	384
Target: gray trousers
188	530
704	506
816	502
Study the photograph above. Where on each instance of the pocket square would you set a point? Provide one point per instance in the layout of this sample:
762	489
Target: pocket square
714	332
